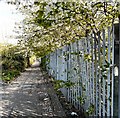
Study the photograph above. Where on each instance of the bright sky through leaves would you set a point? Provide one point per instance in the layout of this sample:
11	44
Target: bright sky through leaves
8	18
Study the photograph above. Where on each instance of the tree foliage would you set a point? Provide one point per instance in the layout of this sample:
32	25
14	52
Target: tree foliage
50	25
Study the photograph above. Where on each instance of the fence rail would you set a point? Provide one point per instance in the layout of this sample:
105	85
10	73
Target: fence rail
89	63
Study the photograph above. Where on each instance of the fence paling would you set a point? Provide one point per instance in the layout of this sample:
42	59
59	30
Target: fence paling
96	80
68	69
108	80
78	80
99	73
80	69
92	69
112	71
104	82
90	72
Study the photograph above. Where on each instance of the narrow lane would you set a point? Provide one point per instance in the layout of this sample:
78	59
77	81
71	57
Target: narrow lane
30	96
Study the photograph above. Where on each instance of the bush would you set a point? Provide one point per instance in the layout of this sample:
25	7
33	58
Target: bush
9	75
13	62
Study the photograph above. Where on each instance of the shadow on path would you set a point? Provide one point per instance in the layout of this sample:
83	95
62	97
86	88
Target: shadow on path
30	96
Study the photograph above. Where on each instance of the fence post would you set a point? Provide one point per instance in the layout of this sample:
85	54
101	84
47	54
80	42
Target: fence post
119	73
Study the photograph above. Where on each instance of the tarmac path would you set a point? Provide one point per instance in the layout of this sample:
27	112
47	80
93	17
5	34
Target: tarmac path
30	95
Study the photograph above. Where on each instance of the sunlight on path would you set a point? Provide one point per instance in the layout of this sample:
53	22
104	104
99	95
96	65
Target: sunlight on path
36	64
30	96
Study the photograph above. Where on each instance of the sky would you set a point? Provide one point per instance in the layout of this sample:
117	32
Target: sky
8	18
